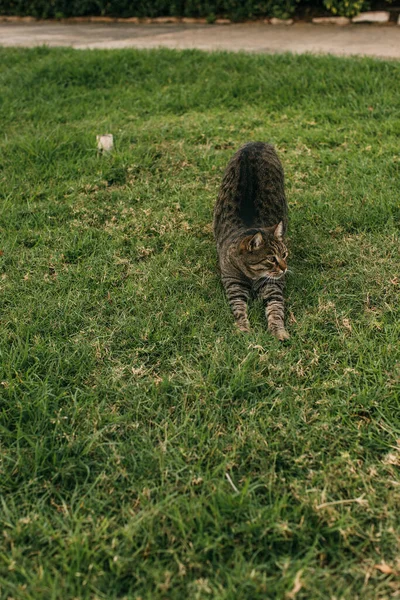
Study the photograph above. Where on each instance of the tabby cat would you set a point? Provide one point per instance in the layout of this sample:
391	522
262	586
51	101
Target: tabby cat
250	221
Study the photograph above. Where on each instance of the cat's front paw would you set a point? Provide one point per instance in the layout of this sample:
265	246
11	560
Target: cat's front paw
245	327
282	335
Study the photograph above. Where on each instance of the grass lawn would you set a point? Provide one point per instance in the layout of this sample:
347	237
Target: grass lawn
149	450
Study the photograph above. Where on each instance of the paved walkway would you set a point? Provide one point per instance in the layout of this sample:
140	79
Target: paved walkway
371	40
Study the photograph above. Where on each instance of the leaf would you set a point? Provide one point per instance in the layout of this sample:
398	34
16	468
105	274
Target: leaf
296	587
347	324
384	568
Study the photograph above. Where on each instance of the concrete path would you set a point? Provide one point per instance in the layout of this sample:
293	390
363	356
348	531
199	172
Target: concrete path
370	40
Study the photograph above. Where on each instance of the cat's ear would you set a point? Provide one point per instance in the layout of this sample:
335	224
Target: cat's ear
252	242
278	231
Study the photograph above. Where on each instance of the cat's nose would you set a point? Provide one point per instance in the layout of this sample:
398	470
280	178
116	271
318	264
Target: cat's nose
282	265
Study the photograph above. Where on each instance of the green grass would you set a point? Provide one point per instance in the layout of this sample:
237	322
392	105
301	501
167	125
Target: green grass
127	396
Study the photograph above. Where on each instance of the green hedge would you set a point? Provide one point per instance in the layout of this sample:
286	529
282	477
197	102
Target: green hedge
236	10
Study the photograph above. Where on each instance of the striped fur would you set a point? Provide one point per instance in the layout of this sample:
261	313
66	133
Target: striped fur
250	222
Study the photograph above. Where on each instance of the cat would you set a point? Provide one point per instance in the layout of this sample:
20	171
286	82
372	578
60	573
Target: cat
250	222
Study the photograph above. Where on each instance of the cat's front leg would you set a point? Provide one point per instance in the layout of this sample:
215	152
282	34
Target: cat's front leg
272	295
238	293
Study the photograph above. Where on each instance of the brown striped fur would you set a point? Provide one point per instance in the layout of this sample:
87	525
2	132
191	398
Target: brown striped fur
250	222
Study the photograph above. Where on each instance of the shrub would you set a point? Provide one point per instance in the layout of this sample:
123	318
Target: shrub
237	10
344	8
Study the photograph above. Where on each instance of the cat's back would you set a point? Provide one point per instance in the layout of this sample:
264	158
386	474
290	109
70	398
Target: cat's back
252	189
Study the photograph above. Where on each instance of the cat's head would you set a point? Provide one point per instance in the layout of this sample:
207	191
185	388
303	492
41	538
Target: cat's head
263	253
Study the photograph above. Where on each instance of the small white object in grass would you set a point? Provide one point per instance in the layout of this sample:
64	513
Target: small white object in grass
105	143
